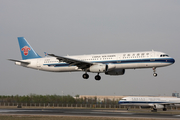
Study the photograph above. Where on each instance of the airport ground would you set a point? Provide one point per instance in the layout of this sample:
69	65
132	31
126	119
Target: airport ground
85	114
25	117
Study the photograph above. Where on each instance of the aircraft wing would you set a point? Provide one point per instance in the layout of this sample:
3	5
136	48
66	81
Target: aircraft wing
26	63
80	64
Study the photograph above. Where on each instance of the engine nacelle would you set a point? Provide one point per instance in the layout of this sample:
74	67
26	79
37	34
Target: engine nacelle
115	72
110	67
98	68
158	106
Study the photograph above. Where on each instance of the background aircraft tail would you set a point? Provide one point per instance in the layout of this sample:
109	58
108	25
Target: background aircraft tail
26	50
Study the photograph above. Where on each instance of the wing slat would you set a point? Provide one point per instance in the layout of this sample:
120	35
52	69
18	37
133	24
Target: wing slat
80	64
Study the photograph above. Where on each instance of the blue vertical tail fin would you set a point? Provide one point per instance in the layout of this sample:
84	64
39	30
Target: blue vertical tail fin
26	50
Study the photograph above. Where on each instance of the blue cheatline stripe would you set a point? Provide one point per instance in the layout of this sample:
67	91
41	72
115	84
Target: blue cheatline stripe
148	102
135	61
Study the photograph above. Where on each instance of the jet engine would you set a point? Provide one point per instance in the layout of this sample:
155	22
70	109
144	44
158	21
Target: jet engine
110	67
115	72
98	68
158	106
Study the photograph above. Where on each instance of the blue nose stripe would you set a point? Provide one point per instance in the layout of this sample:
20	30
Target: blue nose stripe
171	60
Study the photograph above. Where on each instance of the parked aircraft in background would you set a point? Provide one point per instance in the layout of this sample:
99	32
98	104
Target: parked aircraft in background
150	102
110	64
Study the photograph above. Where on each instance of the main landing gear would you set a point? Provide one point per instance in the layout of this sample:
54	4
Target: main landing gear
154	70
98	77
86	76
154	110
164	109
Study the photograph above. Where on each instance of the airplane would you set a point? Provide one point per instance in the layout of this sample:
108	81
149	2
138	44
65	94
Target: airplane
150	102
110	64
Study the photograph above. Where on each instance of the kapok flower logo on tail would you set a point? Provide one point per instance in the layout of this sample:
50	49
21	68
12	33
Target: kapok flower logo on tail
26	50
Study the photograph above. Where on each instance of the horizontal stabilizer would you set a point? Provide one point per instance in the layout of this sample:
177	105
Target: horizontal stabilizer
19	61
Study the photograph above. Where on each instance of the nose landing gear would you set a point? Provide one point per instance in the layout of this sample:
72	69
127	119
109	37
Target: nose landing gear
154	70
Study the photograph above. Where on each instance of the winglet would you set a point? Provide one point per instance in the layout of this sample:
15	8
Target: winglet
46	54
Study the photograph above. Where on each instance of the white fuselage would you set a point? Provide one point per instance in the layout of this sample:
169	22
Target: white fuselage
131	60
149	101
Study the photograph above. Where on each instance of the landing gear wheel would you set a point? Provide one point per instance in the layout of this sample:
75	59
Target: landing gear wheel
164	109
85	76
97	77
154	110
155	74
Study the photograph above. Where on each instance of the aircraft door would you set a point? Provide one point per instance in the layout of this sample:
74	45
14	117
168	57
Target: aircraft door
118	58
152	54
38	64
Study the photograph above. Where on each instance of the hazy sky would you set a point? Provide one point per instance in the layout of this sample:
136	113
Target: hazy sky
77	27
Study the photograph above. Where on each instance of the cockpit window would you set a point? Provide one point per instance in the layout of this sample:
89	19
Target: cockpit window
164	55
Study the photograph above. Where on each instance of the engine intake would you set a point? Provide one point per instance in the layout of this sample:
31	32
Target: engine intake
158	106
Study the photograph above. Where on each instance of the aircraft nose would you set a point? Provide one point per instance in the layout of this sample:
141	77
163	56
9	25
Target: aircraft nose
173	61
